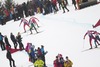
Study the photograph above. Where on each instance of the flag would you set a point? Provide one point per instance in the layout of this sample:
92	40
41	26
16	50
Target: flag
97	24
12	50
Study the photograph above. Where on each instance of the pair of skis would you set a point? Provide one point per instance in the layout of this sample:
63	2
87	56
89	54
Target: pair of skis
90	49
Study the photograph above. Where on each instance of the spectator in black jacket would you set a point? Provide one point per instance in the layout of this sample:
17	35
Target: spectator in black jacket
25	9
12	37
7	42
9	57
19	39
74	2
84	1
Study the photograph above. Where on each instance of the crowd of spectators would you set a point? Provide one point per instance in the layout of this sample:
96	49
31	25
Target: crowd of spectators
29	8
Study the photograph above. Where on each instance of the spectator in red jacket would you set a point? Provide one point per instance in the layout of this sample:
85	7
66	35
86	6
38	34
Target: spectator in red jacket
56	62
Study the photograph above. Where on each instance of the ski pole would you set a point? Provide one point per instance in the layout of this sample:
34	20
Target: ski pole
83	43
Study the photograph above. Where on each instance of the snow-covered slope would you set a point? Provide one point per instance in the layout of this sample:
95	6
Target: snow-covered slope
61	33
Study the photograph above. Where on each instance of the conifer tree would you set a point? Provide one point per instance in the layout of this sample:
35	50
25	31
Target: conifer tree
8	4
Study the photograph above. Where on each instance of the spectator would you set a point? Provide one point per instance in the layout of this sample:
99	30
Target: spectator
7	42
63	4
43	54
32	53
39	62
56	62
13	38
68	63
9	57
1	42
74	2
19	39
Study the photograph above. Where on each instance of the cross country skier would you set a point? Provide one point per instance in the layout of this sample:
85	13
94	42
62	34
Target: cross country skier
25	23
32	19
31	27
97	38
32	23
91	37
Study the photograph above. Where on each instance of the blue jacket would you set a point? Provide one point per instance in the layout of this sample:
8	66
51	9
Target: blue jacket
1	37
32	52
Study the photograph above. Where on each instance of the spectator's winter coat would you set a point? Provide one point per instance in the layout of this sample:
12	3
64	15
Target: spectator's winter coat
1	37
13	38
68	63
56	63
42	50
19	39
73	2
27	49
6	12
6	41
39	52
38	63
8	55
54	2
32	52
1	42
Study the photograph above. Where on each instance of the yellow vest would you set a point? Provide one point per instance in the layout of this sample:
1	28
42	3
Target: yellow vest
68	64
38	63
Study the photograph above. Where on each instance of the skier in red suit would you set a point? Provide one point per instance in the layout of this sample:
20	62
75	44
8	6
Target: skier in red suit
91	34
25	23
32	19
32	23
97	24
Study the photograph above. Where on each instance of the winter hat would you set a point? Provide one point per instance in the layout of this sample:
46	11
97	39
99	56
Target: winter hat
66	57
42	46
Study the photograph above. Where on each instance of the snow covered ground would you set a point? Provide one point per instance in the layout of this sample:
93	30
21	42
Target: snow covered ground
61	33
